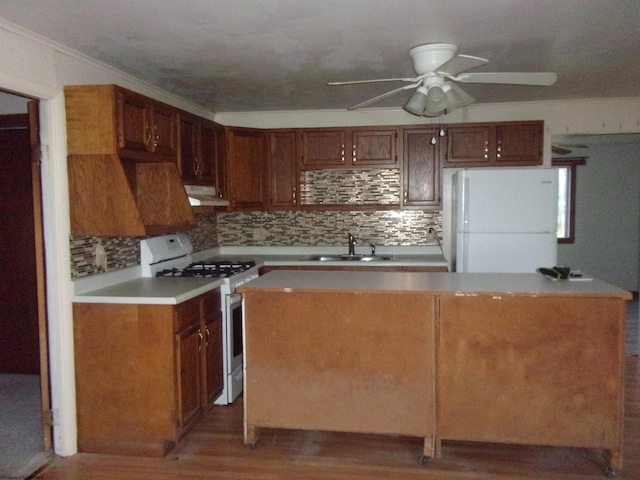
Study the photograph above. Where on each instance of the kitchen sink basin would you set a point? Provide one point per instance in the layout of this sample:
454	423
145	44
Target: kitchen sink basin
342	258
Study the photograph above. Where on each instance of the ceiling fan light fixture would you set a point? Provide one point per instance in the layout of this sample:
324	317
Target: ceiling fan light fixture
456	97
417	102
436	101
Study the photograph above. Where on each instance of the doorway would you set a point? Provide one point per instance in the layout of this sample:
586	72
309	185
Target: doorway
25	441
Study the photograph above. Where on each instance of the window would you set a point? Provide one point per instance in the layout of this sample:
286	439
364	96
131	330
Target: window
566	196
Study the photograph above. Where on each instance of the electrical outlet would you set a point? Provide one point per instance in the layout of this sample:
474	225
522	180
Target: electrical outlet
101	257
432	234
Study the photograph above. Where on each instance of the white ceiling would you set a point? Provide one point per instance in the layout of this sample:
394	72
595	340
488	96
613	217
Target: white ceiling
262	55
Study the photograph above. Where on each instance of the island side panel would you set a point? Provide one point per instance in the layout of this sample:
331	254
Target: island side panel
532	370
340	361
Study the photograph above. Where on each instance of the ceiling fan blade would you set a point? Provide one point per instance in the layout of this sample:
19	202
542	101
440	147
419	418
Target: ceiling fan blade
460	63
508	78
559	150
571	145
353	82
384	95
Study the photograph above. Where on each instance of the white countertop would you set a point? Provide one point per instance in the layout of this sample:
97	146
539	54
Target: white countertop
400	256
451	283
169	291
127	285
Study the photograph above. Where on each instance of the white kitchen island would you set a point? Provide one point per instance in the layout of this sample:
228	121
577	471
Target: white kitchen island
505	358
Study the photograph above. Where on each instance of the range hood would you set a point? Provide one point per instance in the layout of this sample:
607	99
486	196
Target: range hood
203	196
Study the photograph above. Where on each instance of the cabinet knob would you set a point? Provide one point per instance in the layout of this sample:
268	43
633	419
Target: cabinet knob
354	154
342	153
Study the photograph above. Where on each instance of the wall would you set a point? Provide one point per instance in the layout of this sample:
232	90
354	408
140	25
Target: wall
10	104
607	214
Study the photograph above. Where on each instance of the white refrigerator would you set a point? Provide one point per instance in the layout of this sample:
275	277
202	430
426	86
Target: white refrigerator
504	219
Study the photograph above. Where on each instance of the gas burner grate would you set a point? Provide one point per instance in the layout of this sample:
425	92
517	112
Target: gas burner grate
209	269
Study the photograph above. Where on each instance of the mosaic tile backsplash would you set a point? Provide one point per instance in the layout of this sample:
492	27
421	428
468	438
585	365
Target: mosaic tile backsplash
350	187
281	228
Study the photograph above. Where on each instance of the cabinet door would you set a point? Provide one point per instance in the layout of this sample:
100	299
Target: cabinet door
189	162
519	144
421	168
283	162
189	341
468	146
221	161
373	147
188	359
324	148
246	169
134	133
518	369
214	381
163	130
207	154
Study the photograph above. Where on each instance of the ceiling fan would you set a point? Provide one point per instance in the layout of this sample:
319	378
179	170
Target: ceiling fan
565	148
439	68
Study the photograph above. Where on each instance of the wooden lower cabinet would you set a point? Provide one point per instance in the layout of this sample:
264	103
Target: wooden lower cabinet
145	374
532	370
342	361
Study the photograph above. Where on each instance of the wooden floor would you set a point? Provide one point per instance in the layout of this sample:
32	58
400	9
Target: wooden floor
215	450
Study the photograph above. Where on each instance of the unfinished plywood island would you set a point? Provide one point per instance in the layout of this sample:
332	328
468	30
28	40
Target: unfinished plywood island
502	358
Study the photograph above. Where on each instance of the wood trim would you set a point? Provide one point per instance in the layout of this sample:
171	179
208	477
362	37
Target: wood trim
36	181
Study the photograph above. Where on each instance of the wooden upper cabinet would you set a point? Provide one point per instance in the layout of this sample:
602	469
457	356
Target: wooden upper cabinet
198	151
468	145
322	148
519	143
110	120
374	147
283	168
221	161
123	177
349	147
147	130
246	168
421	168
494	144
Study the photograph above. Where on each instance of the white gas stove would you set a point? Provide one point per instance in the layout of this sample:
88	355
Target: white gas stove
170	256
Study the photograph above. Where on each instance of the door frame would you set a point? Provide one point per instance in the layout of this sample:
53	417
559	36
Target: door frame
43	335
56	233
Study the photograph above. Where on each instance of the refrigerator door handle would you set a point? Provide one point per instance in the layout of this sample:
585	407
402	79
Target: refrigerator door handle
465	204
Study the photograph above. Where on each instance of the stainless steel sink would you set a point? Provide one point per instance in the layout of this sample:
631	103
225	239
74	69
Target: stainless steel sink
342	258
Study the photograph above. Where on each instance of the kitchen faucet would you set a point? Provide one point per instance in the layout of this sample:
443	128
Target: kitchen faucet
352	244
